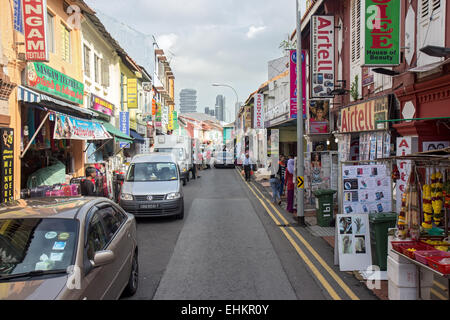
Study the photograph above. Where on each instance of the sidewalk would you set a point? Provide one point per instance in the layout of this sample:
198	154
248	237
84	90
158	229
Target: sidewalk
326	233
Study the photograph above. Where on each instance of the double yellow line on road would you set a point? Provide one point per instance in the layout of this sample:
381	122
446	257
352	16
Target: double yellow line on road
300	252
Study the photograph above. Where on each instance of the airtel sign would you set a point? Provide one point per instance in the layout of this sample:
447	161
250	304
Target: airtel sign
34	14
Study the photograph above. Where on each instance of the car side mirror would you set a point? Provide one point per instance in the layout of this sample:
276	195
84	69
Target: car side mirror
102	258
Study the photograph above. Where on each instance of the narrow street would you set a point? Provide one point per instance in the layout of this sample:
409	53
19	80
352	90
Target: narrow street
230	247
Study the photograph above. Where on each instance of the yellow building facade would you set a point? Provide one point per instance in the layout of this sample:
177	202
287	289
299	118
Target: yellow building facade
64	43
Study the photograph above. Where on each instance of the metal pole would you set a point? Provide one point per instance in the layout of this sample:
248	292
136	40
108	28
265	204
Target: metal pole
300	147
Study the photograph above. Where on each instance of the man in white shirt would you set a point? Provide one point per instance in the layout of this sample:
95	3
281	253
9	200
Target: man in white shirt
247	167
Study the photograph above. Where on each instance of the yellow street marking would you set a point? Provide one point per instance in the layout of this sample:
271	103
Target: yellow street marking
437	284
305	258
315	254
437	294
271	204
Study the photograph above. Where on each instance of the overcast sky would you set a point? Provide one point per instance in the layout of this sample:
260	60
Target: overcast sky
222	41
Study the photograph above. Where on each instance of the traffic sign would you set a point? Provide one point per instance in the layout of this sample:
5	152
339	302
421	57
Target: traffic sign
301	182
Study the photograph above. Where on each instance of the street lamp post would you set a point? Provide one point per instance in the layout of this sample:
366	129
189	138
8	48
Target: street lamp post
300	147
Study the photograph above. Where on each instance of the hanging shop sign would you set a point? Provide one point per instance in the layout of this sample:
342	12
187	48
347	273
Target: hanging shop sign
18	21
367	189
132	93
153	107
7	165
34	14
354	248
124	126
175	120
248	117
67	127
44	78
319	116
382	30
259	112
101	105
170	122
364	116
405	146
322	56
293	83
158	116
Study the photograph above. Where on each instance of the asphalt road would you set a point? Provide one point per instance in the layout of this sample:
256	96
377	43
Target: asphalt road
229	247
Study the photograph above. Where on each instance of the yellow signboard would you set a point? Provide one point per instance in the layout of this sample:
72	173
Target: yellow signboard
132	93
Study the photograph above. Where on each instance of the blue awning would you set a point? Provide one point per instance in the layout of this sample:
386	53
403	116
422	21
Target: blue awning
137	137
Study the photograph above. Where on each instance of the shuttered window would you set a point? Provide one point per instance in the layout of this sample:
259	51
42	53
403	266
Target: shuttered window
87	61
430	28
65	43
97	64
356	30
105	73
50	32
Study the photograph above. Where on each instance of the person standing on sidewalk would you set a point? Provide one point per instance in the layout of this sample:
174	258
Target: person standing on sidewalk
282	174
290	187
275	184
247	167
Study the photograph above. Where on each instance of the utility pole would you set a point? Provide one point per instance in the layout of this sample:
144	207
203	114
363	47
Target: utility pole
300	147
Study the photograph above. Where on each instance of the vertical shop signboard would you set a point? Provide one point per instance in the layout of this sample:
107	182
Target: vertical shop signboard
34	13
293	83
322	56
18	21
258	121
404	148
382	30
132	93
7	164
124	126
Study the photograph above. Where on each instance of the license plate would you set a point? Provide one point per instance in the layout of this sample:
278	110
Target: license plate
149	206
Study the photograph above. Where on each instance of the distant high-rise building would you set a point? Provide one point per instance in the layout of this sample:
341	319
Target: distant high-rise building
209	111
188	101
220	107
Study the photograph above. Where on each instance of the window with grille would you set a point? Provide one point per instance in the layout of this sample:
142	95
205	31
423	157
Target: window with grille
65	43
50	32
87	61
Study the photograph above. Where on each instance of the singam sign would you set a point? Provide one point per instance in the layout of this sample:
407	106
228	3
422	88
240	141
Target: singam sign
34	14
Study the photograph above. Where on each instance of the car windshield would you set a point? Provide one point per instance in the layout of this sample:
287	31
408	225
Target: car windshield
152	171
177	152
33	244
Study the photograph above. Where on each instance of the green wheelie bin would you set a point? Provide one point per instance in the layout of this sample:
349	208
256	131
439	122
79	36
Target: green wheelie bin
380	223
324	206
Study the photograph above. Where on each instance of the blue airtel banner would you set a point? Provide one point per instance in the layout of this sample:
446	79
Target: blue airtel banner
124	126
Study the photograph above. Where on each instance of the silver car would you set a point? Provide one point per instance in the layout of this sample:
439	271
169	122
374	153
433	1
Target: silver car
67	249
152	187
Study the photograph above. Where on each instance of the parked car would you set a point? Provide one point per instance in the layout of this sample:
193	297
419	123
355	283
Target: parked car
224	159
67	249
152	187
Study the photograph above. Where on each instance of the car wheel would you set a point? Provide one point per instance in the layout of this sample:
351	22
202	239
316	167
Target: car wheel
133	281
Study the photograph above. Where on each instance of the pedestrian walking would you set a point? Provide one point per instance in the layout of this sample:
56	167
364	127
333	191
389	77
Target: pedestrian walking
247	167
282	174
290	187
275	185
194	166
87	186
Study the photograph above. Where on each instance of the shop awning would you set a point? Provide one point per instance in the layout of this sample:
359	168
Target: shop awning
137	137
47	102
118	135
